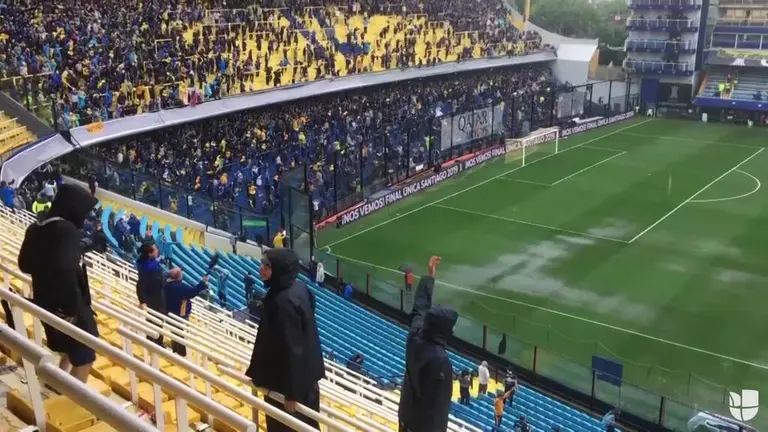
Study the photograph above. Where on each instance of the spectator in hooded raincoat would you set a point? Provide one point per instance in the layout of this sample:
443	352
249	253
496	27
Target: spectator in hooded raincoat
287	357
51	253
425	400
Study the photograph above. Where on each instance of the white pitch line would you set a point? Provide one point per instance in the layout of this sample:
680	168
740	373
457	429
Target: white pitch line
523	181
603	148
734	197
522	222
483	182
690	140
591	166
574	317
695	195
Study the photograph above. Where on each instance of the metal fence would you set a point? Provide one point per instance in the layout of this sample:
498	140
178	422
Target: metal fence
196	205
366	167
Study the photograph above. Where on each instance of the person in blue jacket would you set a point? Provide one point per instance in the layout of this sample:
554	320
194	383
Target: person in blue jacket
135	225
348	291
178	300
7	194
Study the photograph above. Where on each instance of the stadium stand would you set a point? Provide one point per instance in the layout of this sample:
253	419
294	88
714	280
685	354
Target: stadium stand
115	59
356	144
145	56
219	346
735	84
13	134
346	330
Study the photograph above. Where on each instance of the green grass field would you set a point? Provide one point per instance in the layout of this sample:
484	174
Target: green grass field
645	242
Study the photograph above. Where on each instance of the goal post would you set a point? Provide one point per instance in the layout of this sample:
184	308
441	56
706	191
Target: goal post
538	145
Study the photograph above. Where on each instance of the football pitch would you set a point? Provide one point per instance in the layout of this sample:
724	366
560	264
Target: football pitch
644	242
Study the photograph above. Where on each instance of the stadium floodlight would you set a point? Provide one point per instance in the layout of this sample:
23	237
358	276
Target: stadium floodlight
543	142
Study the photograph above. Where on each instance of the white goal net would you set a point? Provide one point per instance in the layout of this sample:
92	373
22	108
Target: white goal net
540	144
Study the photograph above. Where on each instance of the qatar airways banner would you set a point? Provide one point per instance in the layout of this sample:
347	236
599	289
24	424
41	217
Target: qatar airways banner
471	125
394	196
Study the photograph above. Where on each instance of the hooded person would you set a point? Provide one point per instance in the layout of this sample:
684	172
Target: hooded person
149	286
287	357
425	399
51	253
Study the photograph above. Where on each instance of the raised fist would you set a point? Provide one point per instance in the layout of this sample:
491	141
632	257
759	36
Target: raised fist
433	262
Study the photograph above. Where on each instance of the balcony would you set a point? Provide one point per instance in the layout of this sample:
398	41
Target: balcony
649	67
742	25
682	25
752	4
647	45
740	41
741	22
665	4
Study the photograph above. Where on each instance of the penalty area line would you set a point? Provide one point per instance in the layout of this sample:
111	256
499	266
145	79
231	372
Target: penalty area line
759	185
696	194
574	317
390	220
587	168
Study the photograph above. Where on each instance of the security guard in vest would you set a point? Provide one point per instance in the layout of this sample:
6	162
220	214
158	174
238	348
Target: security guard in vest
42	203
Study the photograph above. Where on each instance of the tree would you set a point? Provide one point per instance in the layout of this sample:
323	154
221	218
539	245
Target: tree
583	19
604	20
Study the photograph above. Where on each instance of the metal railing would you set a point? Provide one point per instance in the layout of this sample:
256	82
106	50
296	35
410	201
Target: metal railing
741	22
646	66
665	3
39	364
664	23
150	188
215	337
658	45
150	372
757	3
737	40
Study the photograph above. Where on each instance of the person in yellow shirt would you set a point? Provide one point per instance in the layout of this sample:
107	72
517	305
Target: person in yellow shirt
498	406
279	241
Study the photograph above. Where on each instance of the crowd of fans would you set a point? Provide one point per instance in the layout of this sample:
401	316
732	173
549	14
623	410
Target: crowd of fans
353	142
95	61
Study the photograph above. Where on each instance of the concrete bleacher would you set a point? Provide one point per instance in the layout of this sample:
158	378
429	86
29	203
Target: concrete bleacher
714	77
347	329
13	134
327	28
219	351
748	82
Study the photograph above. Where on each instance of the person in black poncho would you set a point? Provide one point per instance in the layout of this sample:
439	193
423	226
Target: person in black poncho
51	253
287	357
